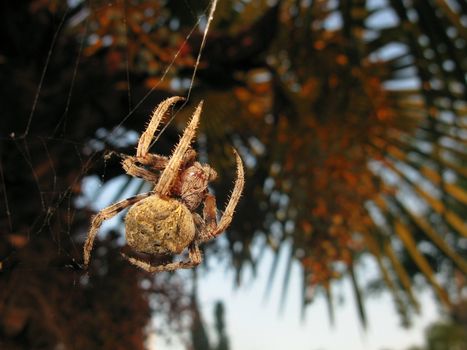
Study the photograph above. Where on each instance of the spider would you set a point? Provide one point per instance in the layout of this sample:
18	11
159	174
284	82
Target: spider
165	220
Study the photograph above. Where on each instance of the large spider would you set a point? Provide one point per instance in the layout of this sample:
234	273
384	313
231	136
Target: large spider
165	221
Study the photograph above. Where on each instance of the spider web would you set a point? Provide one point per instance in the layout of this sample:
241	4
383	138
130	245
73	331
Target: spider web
21	140
61	204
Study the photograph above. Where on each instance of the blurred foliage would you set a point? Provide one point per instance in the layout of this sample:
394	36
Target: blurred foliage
349	115
445	336
448	334
200	330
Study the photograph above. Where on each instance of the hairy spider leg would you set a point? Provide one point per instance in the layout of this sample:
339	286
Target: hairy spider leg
170	172
146	137
155	161
208	222
210	212
194	259
208	228
103	215
226	218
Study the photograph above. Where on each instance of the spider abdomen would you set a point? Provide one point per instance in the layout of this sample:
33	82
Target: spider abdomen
159	226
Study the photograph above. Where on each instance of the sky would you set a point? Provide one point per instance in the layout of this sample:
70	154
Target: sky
254	323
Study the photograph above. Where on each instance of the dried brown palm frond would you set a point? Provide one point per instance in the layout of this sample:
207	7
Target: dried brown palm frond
360	117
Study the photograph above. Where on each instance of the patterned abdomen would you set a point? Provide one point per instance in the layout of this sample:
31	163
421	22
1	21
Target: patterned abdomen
159	226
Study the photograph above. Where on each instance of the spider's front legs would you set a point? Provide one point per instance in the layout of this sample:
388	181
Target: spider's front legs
103	215
170	172
147	136
153	162
194	259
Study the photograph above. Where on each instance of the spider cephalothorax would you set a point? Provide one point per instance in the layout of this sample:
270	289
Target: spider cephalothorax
192	184
165	220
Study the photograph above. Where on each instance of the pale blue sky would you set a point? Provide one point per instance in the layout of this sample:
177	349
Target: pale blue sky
255	324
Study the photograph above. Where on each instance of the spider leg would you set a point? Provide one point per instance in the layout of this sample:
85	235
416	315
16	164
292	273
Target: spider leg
210	212
194	259
147	136
171	170
226	218
208	223
103	215
155	161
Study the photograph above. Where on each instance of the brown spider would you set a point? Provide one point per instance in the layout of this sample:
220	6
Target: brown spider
164	221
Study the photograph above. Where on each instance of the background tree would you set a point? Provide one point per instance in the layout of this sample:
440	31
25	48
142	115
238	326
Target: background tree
448	333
